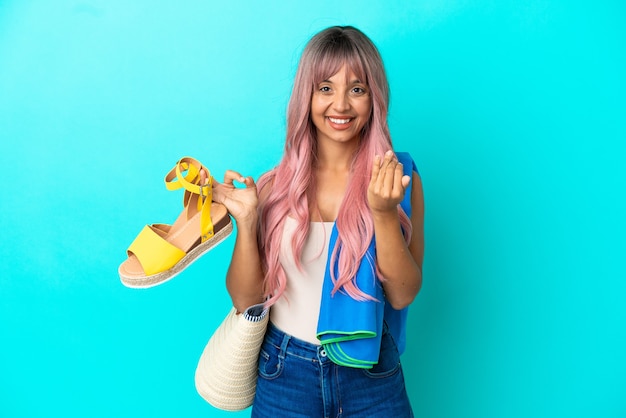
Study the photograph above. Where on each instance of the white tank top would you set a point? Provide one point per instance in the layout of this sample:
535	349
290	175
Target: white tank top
297	311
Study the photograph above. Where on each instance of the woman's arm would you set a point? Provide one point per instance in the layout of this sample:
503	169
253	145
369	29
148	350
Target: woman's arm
244	280
399	263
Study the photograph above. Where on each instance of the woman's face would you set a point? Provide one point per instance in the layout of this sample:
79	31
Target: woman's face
340	107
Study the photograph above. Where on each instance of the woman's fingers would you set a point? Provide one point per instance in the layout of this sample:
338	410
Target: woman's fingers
248	181
390	174
388	182
203	176
375	171
241	202
405	181
230	176
380	172
387	176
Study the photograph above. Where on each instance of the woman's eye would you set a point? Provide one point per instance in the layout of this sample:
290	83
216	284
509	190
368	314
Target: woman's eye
324	89
358	90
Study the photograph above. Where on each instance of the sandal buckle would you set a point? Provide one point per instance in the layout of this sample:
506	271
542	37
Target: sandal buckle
202	194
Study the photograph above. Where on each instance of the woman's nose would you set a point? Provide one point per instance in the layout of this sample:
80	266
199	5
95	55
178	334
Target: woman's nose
341	102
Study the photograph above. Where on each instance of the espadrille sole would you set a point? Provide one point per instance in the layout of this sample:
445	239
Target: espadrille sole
186	261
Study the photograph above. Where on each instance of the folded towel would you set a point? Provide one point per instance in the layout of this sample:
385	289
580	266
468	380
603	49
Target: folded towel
349	330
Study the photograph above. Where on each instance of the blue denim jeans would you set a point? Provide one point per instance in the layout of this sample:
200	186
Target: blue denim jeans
297	379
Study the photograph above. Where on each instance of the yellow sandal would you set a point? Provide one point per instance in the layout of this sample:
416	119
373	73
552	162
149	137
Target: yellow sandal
162	251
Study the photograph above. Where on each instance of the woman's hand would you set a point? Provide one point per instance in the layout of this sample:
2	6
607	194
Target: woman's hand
244	279
387	185
241	203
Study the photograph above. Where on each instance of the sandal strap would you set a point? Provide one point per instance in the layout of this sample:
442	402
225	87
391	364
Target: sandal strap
153	252
190	181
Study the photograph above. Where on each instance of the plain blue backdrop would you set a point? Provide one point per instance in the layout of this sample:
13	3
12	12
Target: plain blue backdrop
513	110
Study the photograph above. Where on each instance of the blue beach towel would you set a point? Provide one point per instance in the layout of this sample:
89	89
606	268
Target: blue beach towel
349	330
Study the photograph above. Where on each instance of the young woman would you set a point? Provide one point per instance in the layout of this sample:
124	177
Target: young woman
310	230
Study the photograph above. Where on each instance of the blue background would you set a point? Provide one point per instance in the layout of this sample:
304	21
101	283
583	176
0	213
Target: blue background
514	112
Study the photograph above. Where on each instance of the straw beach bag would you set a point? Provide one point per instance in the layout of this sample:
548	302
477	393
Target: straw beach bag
227	371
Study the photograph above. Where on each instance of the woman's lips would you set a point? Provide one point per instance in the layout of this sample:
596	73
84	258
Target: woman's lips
340	123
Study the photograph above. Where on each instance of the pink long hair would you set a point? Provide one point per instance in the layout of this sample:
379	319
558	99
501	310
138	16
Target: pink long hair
291	184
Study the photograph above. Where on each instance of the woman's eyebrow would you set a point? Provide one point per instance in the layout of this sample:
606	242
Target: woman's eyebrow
355	81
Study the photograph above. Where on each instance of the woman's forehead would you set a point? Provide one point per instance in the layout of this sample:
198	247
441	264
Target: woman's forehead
352	69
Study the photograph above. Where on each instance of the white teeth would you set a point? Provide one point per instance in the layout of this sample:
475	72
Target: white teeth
339	121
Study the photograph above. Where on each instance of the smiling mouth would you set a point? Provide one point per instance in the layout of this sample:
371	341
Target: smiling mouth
341	121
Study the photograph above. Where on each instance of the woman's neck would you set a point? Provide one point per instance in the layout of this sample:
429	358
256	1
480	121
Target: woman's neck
335	156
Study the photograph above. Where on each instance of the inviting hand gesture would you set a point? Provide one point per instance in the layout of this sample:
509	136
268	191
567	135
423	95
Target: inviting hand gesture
387	185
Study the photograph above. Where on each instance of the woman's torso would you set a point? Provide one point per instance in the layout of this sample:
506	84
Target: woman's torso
297	311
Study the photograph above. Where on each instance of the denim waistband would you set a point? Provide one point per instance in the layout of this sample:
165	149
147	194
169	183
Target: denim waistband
300	348
294	346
